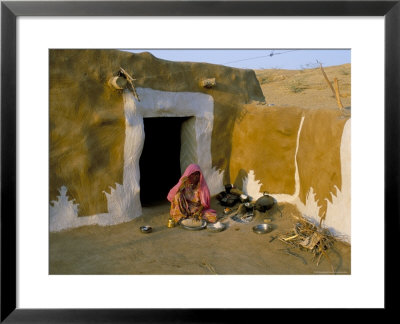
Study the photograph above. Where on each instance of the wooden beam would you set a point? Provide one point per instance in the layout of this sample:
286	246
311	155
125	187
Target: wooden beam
327	80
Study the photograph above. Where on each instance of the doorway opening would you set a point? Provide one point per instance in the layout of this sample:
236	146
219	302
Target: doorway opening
160	159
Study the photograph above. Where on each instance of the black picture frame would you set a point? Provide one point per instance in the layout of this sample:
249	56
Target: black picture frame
10	10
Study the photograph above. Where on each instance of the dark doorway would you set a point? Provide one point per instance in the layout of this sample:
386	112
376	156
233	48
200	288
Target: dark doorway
160	160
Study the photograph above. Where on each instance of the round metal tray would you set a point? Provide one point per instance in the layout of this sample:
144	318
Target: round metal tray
216	227
185	224
262	228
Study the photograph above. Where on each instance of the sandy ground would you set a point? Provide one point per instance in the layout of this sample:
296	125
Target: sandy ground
123	249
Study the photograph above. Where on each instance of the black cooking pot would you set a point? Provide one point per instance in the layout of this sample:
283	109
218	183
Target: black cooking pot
228	187
264	203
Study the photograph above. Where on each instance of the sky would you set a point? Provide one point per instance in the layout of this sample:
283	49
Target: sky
291	59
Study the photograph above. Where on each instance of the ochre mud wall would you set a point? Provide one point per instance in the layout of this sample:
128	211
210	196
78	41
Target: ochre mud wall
87	129
87	123
265	140
319	154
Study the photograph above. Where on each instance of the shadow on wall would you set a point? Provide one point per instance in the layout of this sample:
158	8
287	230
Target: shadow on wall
225	117
242	174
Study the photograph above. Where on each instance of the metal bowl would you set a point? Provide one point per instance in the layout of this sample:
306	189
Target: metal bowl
146	229
186	224
262	228
216	227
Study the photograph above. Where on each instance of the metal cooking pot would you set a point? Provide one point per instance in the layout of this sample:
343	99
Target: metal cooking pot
264	203
228	187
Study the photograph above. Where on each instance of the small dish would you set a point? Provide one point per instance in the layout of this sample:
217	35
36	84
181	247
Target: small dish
191	225
216	227
243	218
262	228
146	229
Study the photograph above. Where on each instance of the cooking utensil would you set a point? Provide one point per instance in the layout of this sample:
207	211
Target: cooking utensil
262	228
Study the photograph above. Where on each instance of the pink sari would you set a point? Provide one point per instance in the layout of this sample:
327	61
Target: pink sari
191	202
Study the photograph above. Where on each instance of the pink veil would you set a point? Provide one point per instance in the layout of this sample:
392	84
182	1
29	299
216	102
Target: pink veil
204	191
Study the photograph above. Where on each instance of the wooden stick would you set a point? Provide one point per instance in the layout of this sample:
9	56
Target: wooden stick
209	267
290	238
321	219
326	256
327	80
337	93
319	258
130	81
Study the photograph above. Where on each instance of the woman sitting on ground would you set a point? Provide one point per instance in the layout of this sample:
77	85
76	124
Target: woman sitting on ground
190	197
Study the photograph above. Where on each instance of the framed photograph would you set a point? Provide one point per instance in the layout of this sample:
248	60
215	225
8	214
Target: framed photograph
82	82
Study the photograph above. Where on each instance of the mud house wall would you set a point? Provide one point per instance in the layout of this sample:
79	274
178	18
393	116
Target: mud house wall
87	117
319	157
297	155
87	129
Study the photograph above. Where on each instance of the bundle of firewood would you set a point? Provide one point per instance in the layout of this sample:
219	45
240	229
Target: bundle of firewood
306	236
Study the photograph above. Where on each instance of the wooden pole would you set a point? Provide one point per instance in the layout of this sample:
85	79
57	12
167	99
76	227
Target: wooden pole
337	94
130	81
327	80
